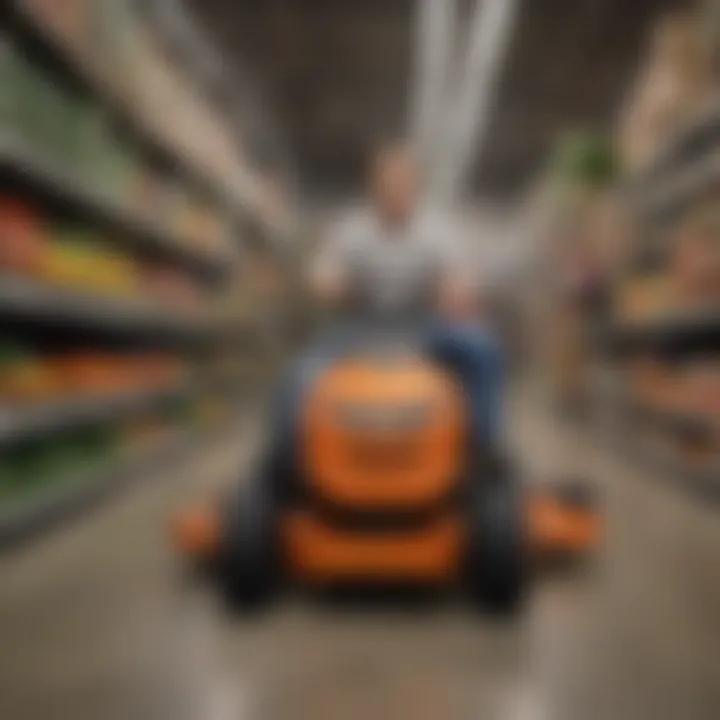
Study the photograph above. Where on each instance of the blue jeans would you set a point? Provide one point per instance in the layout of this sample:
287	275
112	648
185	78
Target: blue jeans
466	350
473	356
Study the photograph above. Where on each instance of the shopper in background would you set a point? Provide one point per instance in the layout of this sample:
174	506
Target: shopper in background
584	267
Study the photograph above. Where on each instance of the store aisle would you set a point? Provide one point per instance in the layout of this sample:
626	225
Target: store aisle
87	614
97	623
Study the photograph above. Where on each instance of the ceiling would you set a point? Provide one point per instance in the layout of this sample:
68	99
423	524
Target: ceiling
334	75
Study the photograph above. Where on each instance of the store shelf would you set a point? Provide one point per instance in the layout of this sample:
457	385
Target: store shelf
698	137
24	518
688	182
684	423
684	333
46	176
67	61
43	41
32	300
660	457
20	422
645	436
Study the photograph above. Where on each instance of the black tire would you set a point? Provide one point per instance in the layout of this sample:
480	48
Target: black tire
497	568
249	567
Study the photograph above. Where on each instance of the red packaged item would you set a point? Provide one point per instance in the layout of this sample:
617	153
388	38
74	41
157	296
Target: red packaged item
22	237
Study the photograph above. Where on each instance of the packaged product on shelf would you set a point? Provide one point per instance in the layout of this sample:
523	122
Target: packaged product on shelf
179	213
147	195
199	223
24	468
146	434
52	115
673	85
209	230
8	480
700	389
698	452
31	468
76	259
67	263
24	375
642	298
695	260
123	167
155	370
8	84
171	287
23	239
688	392
82	372
94	157
64	131
115	274
30	96
162	369
194	221
116	48
38	109
213	412
66	20
225	365
86	372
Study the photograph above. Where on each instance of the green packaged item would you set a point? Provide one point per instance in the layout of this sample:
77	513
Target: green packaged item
93	158
8	85
31	468
23	83
13	353
76	239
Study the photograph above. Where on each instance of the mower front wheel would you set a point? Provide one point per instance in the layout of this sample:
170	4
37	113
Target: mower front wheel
496	570
249	566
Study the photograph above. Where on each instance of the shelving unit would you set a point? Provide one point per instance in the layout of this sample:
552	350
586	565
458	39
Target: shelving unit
32	420
679	340
25	518
685	146
678	335
660	436
670	195
43	175
667	462
53	197
34	301
78	70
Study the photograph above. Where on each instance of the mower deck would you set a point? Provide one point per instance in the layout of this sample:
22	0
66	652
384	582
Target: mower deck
316	551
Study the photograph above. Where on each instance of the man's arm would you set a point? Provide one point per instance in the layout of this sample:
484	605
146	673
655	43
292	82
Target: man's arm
458	290
458	299
327	284
328	277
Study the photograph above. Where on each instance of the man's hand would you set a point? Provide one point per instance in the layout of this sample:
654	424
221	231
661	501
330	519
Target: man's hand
457	300
328	286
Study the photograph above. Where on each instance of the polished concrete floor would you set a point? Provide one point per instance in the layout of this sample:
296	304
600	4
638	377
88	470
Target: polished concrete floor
97	621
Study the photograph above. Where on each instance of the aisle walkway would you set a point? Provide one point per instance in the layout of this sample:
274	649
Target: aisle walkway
97	624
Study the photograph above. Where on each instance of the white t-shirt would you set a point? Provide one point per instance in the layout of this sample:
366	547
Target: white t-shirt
392	272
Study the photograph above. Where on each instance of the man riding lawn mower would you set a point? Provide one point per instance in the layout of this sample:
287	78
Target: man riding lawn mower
384	464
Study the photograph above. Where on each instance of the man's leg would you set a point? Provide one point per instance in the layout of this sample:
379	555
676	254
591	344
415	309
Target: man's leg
474	356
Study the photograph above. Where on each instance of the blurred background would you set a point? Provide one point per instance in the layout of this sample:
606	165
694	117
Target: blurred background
167	170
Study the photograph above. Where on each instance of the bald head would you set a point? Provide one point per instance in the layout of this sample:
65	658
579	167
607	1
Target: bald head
395	183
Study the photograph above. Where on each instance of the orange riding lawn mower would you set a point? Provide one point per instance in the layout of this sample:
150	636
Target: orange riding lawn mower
379	487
